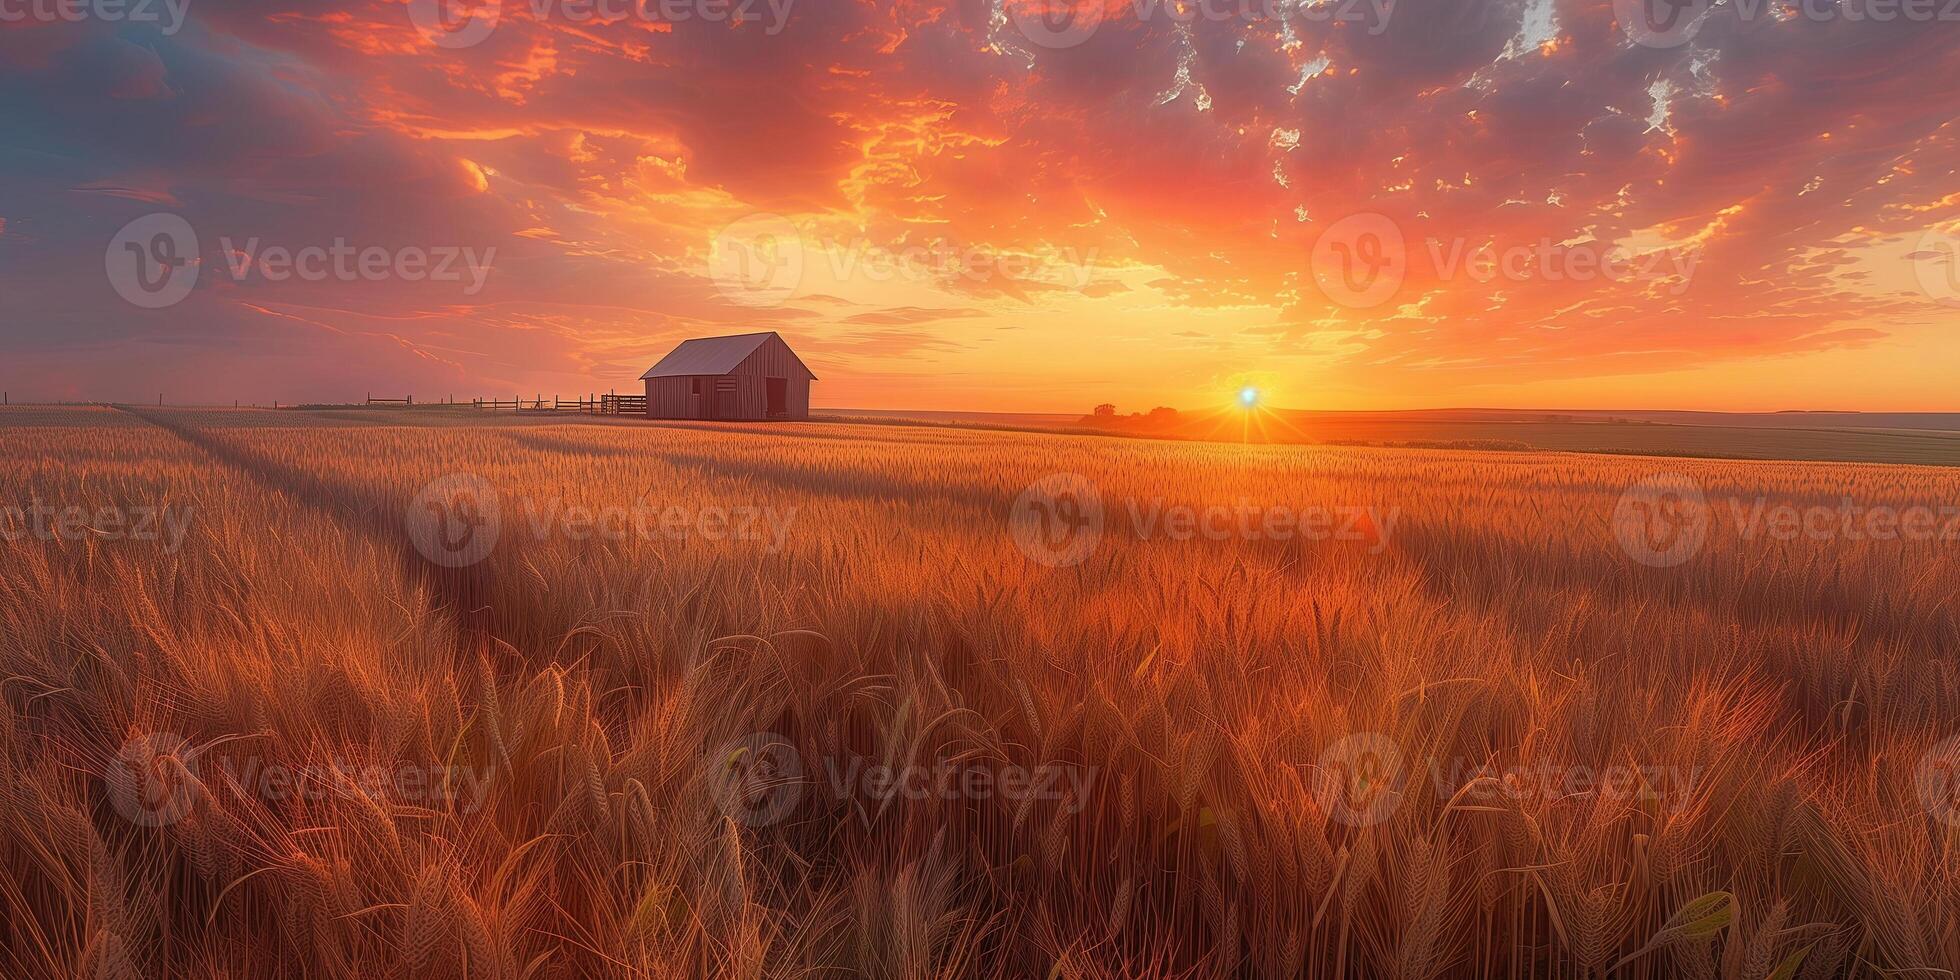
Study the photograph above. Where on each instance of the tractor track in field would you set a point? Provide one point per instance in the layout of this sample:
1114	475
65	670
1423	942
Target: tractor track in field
462	594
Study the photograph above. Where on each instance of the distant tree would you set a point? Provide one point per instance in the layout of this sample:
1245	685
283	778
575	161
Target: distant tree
1162	414
1105	411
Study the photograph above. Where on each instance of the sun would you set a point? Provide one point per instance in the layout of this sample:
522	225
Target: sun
1249	397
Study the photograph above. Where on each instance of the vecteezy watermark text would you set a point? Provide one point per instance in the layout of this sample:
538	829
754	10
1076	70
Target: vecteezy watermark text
344	262
772	14
960	780
154	262
1548	782
762	259
647	521
38	521
1362	261
1672	23
1060	519
457	520
1664	520
168	15
758	780
467	23
1059	24
1364	778
158	779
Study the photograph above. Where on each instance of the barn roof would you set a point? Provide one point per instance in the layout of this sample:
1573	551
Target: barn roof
711	355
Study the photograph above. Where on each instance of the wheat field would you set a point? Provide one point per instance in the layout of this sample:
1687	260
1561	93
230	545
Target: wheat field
832	700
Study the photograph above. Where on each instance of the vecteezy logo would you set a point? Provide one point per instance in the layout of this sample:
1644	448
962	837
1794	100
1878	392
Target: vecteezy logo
455	520
1360	779
1056	23
1057	520
1661	23
756	780
152	780
1936	263
1662	520
757	261
152	262
1361	260
1938	781
442	24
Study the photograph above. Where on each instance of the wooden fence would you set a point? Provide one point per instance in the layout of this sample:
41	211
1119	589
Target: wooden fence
588	405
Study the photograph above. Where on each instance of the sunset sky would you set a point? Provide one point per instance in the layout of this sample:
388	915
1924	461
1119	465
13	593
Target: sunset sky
1138	218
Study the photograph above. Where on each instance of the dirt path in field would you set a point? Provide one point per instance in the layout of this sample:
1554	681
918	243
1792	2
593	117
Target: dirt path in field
459	593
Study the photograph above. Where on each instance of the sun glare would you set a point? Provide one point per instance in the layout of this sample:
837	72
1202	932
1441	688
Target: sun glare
1249	397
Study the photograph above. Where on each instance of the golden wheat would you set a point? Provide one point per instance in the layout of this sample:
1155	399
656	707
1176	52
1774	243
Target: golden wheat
294	747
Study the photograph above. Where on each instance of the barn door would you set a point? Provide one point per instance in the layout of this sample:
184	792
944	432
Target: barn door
778	389
726	401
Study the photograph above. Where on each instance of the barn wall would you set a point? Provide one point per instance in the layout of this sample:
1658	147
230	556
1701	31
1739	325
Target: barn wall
799	396
773	359
673	398
748	401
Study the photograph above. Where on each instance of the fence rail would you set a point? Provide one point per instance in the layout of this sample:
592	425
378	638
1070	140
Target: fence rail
586	405
589	405
623	405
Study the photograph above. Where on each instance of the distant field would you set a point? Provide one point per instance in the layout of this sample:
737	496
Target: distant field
1928	447
1849	437
1925	438
508	697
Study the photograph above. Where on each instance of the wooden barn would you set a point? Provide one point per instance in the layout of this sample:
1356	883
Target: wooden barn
748	377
